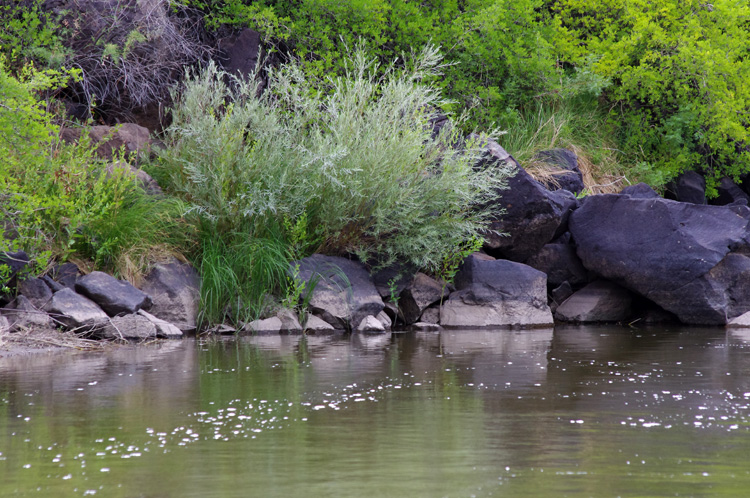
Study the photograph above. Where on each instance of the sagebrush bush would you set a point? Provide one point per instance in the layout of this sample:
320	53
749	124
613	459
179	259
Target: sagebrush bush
356	170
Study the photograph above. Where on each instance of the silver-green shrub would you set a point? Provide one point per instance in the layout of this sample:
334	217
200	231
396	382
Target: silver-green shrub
356	170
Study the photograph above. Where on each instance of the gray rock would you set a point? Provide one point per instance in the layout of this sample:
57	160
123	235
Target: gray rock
424	327
175	294
112	295
742	321
385	320
267	326
66	274
497	293
344	293
53	285
4	327
315	324
144	179
163	328
431	315
392	280
132	327
16	262
36	291
75	311
560	294
687	258
418	295
23	315
289	322
599	301
370	324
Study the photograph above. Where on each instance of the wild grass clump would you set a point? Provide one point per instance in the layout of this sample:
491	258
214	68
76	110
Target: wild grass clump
289	172
575	123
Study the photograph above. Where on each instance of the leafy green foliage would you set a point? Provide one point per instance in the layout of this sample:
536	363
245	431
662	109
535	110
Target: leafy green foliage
680	78
354	171
57	200
29	34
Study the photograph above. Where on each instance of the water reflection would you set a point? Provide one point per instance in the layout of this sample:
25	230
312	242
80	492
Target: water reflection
578	411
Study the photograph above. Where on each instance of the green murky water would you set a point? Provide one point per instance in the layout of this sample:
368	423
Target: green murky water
589	411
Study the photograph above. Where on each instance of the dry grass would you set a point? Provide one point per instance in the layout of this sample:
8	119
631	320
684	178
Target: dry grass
35	339
596	178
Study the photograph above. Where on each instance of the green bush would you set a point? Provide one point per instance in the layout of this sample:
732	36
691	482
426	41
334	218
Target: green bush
498	53
355	170
30	34
56	200
680	78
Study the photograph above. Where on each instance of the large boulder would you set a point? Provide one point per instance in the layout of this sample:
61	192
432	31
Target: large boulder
561	264
497	293
112	295
533	215
687	258
344	293
75	311
174	288
599	301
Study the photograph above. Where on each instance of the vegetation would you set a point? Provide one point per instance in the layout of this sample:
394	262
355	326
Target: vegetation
356	170
57	200
337	154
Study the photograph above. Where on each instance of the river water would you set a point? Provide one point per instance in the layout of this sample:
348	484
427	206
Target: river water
578	411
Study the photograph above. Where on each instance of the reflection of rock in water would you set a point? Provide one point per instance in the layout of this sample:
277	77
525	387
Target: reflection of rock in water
738	337
128	376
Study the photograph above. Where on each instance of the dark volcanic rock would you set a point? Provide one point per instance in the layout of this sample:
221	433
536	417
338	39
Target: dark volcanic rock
344	294
561	263
689	186
640	191
238	54
687	258
567	160
497	293
533	215
112	295
730	193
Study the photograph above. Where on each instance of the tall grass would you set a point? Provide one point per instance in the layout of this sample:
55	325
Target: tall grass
356	170
575	123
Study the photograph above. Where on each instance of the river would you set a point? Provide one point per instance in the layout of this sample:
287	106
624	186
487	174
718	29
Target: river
578	411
